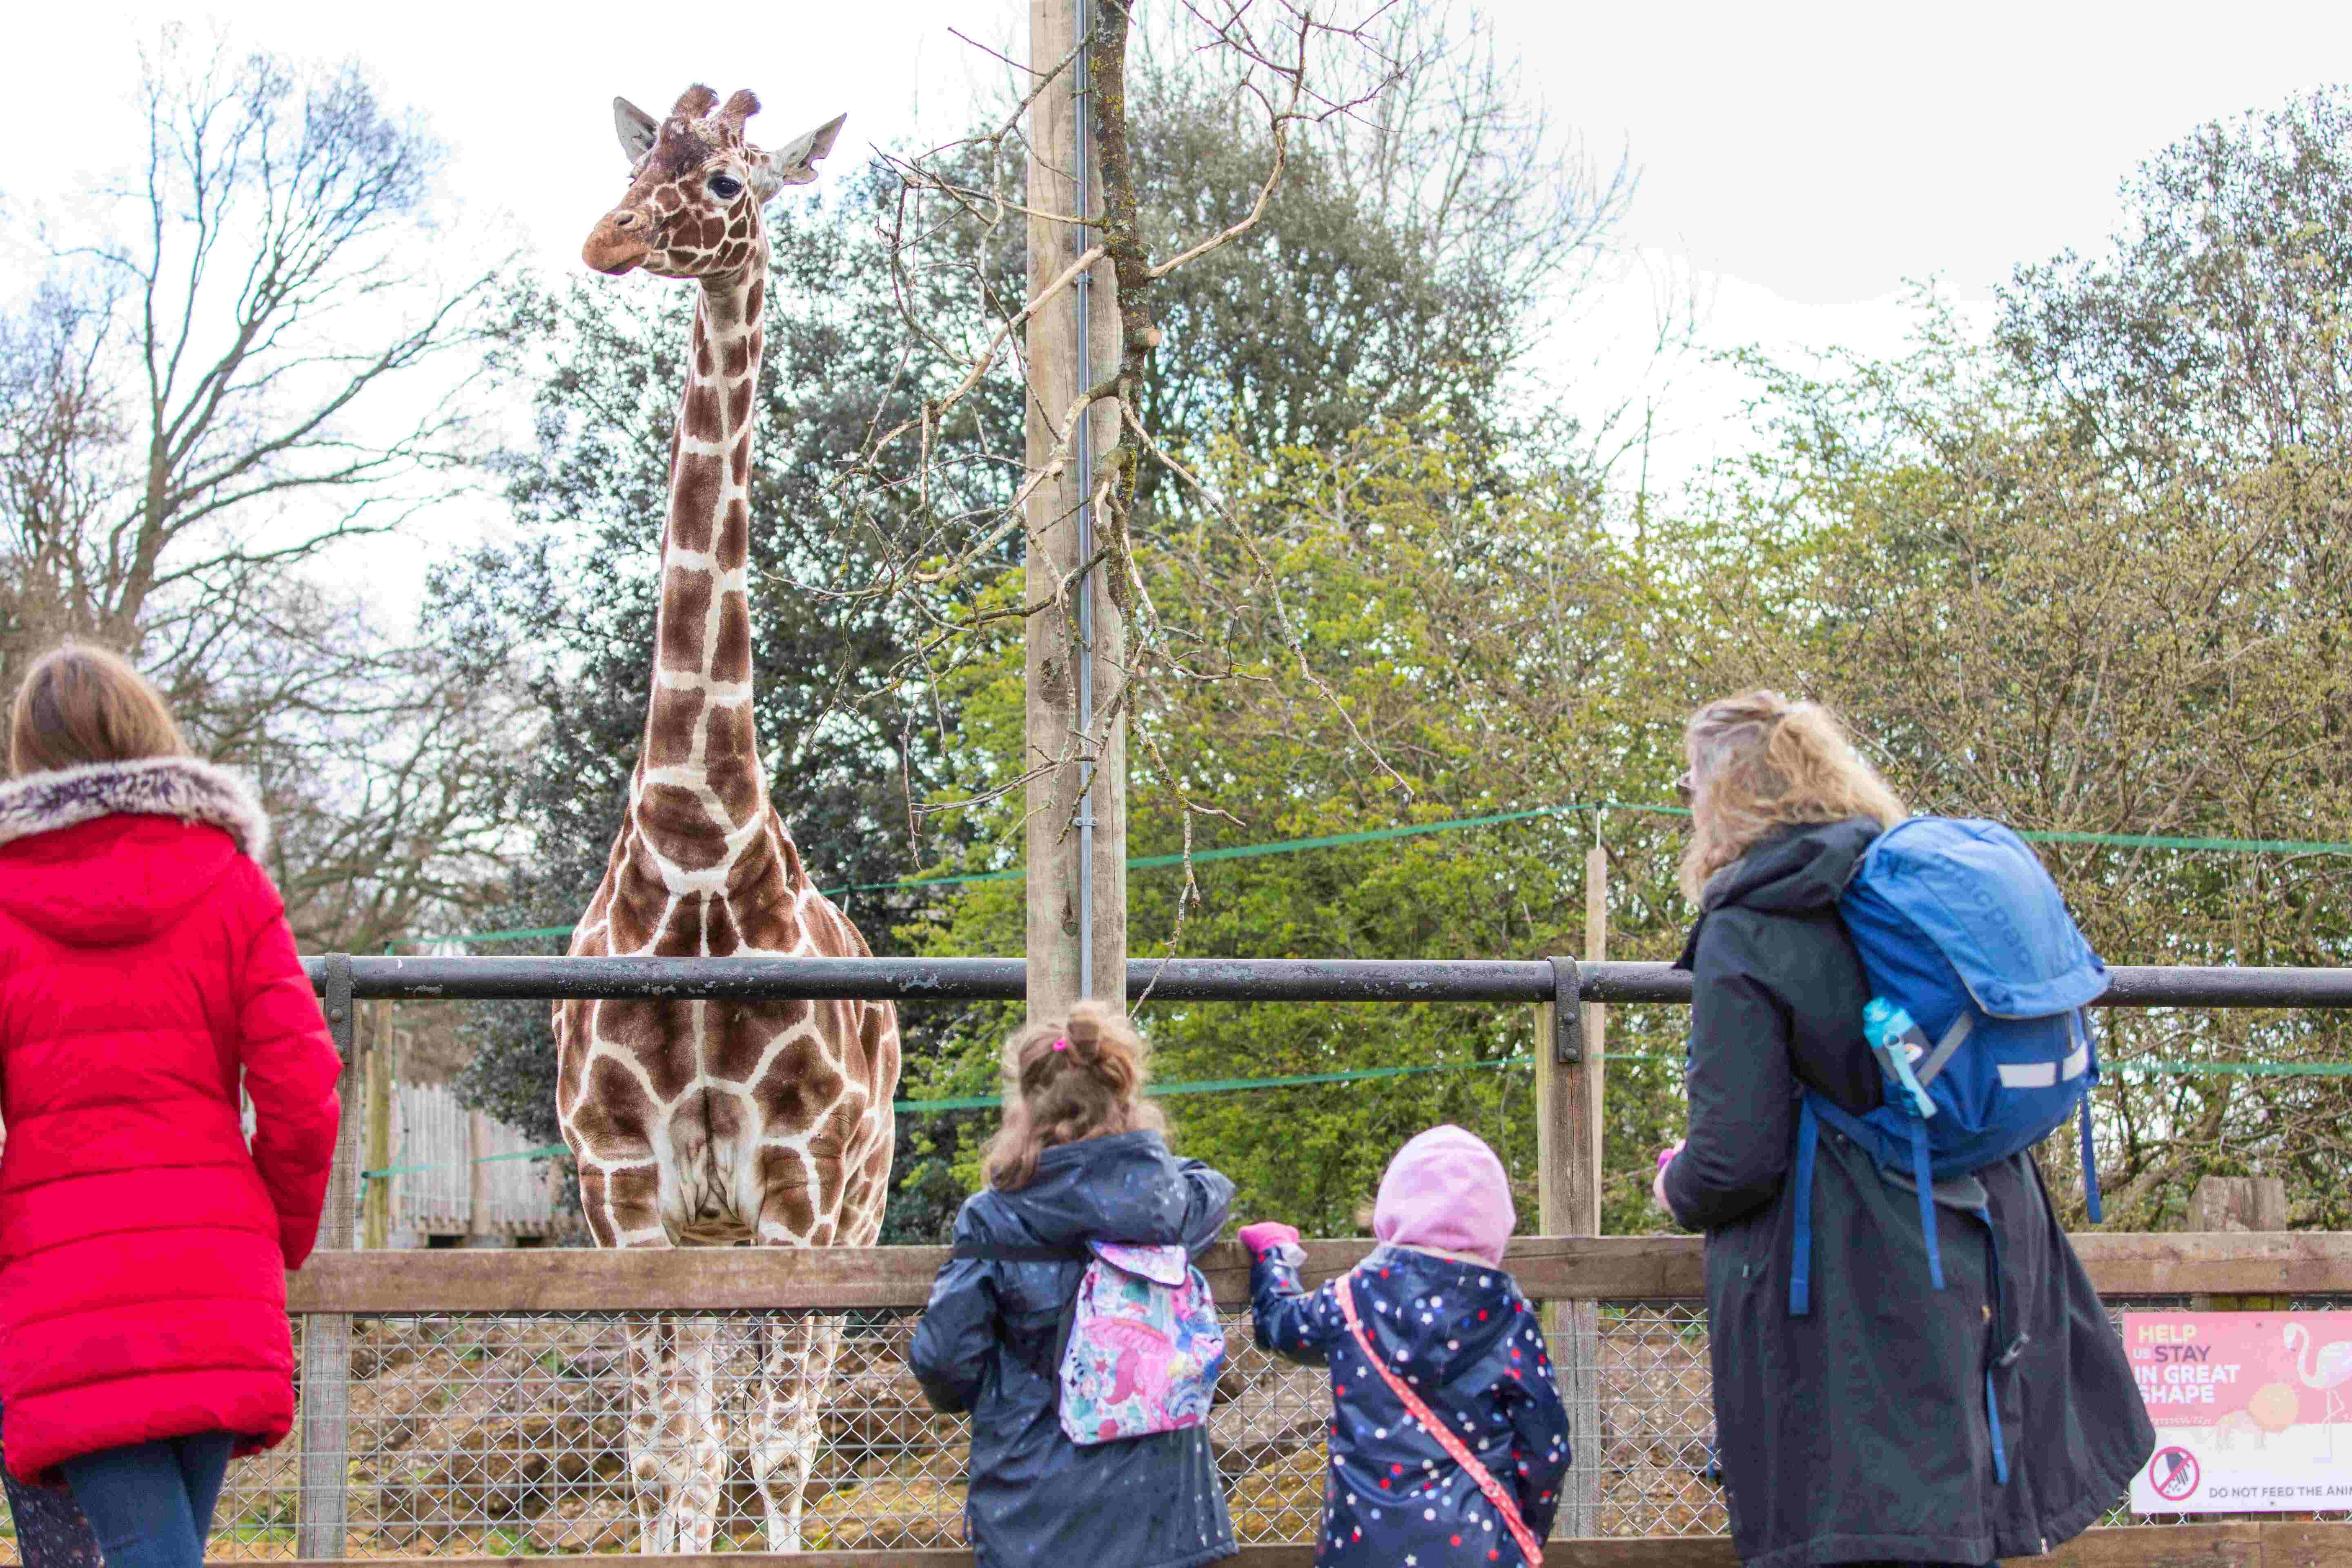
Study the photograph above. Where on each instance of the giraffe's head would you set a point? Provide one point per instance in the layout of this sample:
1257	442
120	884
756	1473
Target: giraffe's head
696	187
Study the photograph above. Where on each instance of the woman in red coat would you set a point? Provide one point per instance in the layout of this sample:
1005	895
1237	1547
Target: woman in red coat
146	973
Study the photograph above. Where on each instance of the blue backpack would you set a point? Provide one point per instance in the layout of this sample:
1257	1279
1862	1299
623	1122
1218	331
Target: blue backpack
1978	984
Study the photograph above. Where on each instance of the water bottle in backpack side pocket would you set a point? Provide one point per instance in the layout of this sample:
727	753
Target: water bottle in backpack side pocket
1897	1041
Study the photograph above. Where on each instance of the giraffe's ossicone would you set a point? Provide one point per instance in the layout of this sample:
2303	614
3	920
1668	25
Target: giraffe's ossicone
709	1123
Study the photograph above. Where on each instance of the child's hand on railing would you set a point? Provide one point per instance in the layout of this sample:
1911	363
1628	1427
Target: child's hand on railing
1266	1235
1658	1187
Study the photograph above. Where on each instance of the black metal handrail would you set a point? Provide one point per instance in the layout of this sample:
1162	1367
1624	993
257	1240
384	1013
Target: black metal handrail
1199	980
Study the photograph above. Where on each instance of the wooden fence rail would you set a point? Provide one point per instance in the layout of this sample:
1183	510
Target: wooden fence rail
1549	1268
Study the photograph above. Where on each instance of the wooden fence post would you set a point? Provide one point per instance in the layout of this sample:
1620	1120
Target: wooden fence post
2239	1203
1568	1186
383	1068
478	1204
324	1504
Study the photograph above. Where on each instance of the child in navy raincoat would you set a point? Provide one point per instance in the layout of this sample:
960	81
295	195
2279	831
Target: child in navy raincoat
1446	1319
1080	1158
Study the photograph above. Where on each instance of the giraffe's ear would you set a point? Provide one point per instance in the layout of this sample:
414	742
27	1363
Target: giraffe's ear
794	162
635	128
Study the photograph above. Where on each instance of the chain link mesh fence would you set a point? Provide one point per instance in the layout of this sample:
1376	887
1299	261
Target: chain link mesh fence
509	1435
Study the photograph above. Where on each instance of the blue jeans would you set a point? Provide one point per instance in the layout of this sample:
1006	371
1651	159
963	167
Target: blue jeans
150	1504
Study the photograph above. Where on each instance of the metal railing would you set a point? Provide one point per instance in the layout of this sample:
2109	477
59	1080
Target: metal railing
1201	980
419	1444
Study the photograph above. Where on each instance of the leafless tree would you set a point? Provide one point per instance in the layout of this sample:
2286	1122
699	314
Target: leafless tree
263	357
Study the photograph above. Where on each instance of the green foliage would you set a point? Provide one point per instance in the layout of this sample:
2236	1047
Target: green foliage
2088	577
1397	638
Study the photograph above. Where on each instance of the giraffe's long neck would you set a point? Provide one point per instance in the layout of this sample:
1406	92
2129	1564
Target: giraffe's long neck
701	795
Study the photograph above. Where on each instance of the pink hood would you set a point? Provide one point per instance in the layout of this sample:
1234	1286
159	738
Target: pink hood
1446	1190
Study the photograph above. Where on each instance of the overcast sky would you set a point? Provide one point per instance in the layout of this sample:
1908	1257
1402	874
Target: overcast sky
1803	159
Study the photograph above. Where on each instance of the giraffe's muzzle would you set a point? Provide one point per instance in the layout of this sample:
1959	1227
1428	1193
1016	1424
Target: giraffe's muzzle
618	243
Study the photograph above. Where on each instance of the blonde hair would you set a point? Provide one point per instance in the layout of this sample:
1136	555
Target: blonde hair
80	704
1068	1081
1760	762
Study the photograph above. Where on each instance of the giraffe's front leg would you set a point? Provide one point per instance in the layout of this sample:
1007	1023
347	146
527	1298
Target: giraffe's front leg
677	1445
693	1414
653	1460
797	1367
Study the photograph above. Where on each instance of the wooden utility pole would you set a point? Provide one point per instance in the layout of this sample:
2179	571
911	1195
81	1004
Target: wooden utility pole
1076	808
1569	1138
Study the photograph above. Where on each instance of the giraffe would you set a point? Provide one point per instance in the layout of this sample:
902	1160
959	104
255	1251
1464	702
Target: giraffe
714	1123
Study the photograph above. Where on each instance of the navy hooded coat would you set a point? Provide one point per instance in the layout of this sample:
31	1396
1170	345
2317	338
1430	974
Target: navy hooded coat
1467	1342
986	1345
1860	1431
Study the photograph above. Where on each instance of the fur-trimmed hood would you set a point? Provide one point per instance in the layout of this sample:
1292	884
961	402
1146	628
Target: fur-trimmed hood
118	852
183	788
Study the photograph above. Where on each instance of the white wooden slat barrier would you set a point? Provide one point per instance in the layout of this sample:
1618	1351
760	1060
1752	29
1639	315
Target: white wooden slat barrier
464	1188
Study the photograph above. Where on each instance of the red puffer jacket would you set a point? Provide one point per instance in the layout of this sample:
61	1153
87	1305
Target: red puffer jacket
144	965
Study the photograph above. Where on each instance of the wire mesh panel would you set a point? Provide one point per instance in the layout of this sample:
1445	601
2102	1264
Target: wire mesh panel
1657	1422
511	1434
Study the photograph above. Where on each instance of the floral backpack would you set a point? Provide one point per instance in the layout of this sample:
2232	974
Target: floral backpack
1144	1345
1139	1346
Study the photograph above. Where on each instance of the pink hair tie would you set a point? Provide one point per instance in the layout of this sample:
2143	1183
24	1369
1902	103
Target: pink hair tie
1061	1044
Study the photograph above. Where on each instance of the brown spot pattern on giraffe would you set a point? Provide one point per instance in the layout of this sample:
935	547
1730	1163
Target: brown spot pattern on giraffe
695	498
730	652
659	1037
634	1190
699	419
681	936
670	724
674	821
734	543
633	919
742	1039
800	1086
785	1179
595	1204
685	616
718	929
603	1126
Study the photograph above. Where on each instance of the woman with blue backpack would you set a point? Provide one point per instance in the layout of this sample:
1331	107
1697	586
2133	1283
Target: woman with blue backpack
1071	1325
1888	1013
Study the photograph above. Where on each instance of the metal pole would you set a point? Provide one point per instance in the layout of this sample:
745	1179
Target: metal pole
322	1506
1199	980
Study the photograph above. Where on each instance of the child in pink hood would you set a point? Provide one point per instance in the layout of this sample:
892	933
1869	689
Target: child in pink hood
1448	1438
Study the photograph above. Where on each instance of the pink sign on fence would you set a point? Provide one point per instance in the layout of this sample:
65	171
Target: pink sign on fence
2247	1409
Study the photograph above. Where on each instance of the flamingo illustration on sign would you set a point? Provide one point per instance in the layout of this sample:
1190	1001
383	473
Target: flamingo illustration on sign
2325	1368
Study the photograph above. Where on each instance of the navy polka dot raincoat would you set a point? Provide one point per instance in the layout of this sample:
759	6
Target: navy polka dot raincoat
1467	1342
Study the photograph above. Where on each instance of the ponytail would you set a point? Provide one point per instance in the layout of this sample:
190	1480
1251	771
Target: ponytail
1065	1082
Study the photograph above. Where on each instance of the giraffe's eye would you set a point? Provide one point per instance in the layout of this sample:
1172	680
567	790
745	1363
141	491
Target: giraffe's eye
725	187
